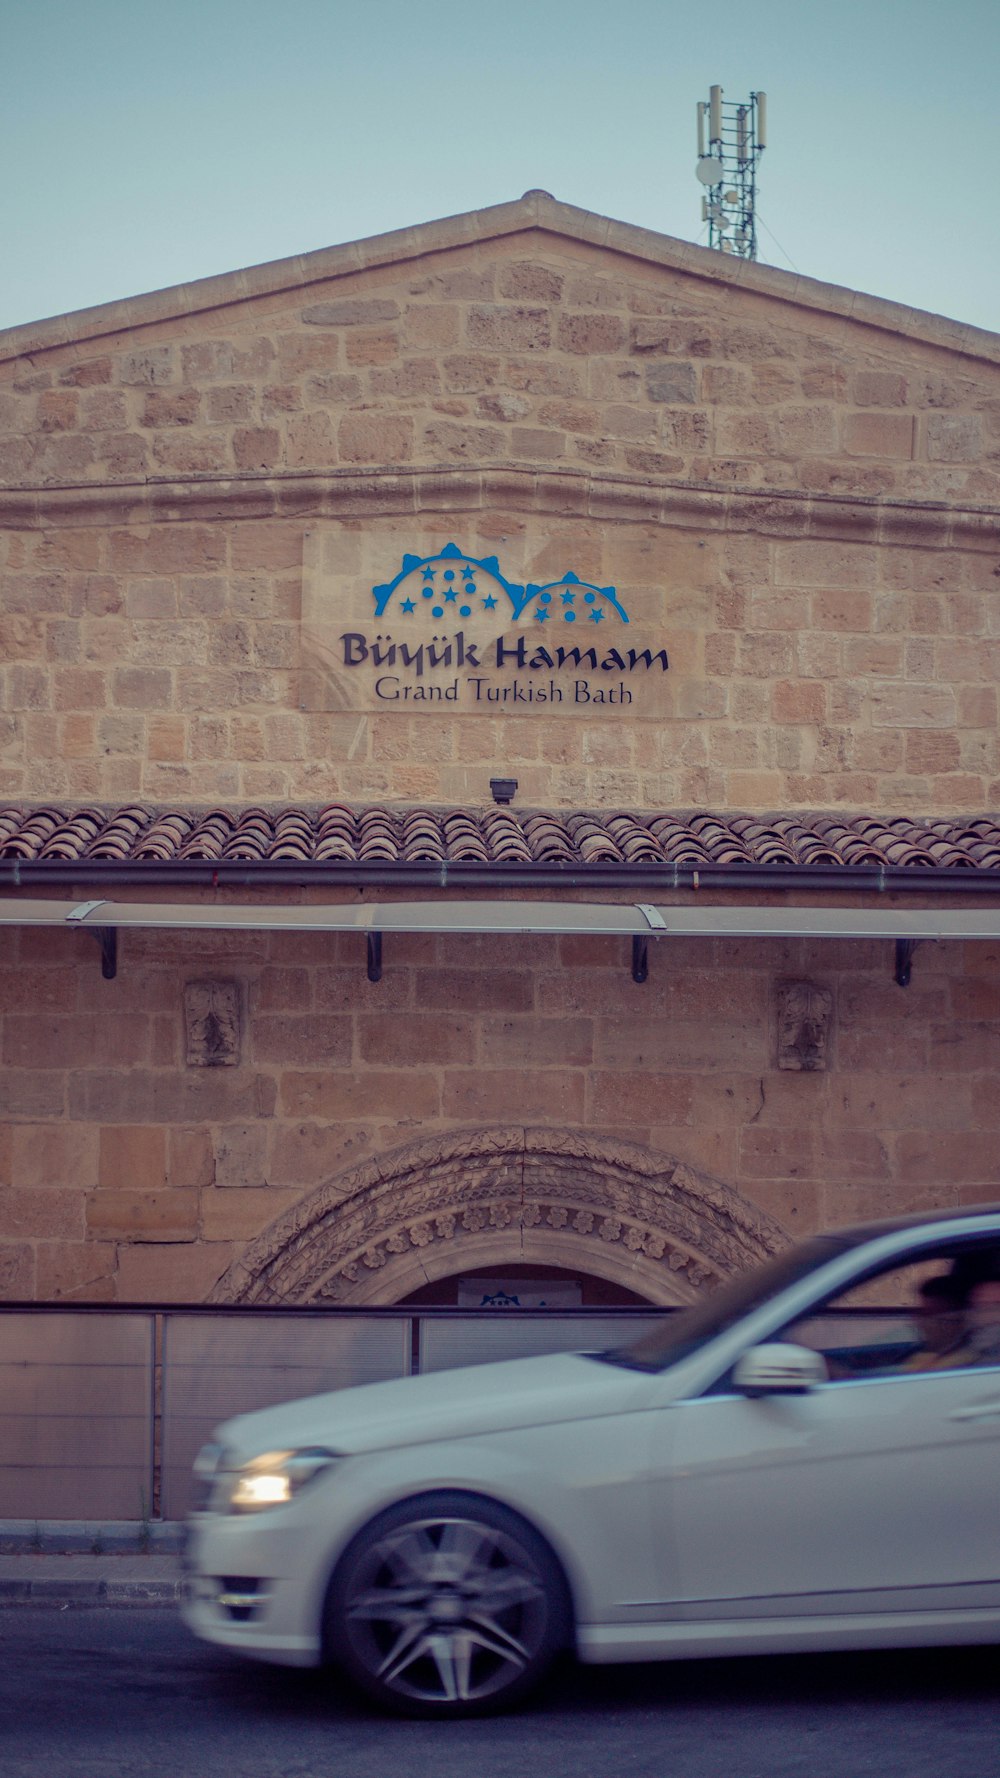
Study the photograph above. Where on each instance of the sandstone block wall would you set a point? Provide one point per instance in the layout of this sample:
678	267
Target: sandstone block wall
801	492
524	350
127	1174
162	664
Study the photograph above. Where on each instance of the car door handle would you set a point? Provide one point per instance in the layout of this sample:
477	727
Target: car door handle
983	1410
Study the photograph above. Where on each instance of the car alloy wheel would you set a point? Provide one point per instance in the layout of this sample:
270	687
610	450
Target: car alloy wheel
446	1605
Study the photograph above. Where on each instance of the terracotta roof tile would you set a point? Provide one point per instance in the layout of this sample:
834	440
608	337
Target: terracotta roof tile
377	835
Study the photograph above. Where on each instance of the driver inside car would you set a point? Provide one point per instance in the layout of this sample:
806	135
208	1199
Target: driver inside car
982	1336
942	1326
959	1321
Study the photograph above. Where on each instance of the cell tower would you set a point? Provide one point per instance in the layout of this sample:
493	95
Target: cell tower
731	140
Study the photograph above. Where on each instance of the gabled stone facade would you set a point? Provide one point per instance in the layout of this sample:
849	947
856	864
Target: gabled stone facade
790	490
798	478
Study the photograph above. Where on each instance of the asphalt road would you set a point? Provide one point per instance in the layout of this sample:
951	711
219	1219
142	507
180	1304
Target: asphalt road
126	1693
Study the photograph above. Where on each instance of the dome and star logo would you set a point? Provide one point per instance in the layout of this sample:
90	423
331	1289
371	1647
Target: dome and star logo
455	585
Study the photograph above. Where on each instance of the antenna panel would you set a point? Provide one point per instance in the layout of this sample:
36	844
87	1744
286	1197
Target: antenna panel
736	137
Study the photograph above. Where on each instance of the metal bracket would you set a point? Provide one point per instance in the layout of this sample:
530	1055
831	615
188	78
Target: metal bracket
374	956
640	949
640	958
107	938
905	948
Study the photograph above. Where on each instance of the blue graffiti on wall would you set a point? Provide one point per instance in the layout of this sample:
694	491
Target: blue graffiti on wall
453	584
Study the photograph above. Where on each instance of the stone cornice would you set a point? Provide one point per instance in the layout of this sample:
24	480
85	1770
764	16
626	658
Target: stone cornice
348	494
535	211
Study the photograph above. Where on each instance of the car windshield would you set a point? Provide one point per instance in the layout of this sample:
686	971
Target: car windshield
682	1333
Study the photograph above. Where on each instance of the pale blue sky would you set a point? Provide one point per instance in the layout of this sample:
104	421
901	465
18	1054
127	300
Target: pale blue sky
149	142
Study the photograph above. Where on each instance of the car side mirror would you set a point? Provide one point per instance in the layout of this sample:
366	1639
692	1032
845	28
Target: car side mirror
779	1368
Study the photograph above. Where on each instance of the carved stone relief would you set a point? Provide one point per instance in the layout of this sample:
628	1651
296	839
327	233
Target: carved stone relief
687	1267
804	1014
212	1024
477	1197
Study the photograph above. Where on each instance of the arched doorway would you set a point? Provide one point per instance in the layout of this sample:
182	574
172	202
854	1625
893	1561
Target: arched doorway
469	1201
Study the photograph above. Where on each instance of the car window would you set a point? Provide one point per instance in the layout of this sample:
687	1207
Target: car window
941	1312
687	1330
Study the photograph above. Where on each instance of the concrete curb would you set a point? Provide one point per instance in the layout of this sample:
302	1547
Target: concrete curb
65	1562
90	1537
63	1591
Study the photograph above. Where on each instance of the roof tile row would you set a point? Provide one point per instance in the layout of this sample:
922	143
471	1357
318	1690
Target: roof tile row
375	835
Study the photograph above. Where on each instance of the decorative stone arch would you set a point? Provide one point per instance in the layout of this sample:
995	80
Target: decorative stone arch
480	1197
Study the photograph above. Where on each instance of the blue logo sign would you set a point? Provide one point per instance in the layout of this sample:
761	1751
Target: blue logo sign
454	585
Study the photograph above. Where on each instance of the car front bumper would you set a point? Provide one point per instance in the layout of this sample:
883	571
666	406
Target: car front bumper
246	1587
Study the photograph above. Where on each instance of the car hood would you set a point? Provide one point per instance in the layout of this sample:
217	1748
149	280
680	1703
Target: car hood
446	1404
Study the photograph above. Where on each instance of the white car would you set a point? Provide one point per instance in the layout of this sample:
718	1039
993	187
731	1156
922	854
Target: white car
807	1459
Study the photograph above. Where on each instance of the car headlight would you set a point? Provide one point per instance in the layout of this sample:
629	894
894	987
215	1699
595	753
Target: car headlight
272	1479
275	1478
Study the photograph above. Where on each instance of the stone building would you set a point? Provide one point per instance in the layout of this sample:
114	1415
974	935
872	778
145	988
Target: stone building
515	699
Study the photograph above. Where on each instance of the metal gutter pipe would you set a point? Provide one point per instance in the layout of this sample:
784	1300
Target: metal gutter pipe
648	880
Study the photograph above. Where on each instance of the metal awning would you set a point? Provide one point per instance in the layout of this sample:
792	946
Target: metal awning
373	916
638	921
601	919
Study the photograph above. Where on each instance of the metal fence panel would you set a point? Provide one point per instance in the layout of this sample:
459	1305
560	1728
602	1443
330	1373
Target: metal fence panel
217	1366
481	1339
76	1416
79	1437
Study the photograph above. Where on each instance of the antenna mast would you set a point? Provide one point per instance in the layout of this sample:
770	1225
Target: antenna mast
731	140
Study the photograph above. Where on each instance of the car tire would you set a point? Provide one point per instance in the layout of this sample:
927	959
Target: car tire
446	1605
